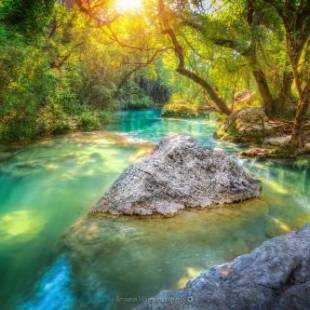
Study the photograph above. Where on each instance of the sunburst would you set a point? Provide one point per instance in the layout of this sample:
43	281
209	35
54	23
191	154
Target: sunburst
124	6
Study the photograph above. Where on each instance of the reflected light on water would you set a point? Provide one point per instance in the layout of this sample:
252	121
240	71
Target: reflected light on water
54	290
276	187
22	224
285	228
140	153
190	273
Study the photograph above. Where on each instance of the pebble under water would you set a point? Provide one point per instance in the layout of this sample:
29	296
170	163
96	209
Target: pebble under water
53	257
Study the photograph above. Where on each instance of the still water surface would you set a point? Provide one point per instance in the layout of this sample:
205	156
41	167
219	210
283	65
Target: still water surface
52	257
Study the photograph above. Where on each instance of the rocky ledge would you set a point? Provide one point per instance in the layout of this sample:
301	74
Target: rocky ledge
276	276
180	173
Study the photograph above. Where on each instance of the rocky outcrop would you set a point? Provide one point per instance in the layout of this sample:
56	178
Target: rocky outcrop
278	141
248	123
276	275
256	152
179	174
251	125
244	97
307	148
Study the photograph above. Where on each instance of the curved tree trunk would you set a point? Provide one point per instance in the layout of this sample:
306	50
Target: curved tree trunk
302	109
258	73
219	102
167	29
264	91
286	88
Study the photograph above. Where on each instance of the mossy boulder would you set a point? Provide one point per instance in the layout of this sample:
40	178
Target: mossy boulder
250	125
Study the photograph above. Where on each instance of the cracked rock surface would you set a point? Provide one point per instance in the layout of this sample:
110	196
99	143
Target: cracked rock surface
274	276
180	173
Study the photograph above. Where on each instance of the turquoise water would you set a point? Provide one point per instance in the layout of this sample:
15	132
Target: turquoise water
47	187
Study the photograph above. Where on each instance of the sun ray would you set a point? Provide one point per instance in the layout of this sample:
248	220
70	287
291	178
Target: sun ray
123	6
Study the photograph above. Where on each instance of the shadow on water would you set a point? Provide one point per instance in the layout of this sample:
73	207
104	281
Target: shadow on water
114	263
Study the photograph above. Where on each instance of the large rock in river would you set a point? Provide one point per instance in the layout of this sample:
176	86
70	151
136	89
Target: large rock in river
275	276
180	173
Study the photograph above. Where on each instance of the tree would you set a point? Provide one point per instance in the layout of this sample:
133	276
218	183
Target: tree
246	35
26	16
182	69
295	16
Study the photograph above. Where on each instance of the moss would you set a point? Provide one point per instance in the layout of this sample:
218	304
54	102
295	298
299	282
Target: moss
232	134
283	153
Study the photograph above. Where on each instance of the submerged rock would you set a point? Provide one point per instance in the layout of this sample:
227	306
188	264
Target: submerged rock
274	276
179	174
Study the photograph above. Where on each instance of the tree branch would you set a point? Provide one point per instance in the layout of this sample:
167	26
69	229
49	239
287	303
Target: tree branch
219	102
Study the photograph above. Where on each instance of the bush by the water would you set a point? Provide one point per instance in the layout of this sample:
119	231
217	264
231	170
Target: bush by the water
180	107
55	78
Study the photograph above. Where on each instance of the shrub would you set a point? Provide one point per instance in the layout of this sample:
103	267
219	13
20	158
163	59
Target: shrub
178	107
89	121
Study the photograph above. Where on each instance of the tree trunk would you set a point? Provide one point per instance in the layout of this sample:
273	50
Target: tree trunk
286	88
219	102
302	109
179	52
264	91
258	73
294	51
296	40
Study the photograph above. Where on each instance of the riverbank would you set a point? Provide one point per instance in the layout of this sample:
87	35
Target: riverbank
259	138
265	138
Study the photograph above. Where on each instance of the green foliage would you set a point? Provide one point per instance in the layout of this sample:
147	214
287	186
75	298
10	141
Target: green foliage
132	96
180	107
89	121
61	69
25	16
46	87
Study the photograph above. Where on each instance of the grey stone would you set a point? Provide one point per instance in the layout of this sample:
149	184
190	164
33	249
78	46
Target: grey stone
278	141
275	275
180	173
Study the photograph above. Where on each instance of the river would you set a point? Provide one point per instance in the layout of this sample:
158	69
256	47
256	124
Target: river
48	186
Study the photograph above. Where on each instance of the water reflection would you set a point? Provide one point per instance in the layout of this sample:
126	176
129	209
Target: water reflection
54	291
131	257
20	225
189	273
149	126
46	187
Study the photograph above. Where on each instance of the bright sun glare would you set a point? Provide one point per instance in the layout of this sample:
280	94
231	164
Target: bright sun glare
128	5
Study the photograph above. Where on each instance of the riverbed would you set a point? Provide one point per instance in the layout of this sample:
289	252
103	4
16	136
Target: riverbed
52	257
